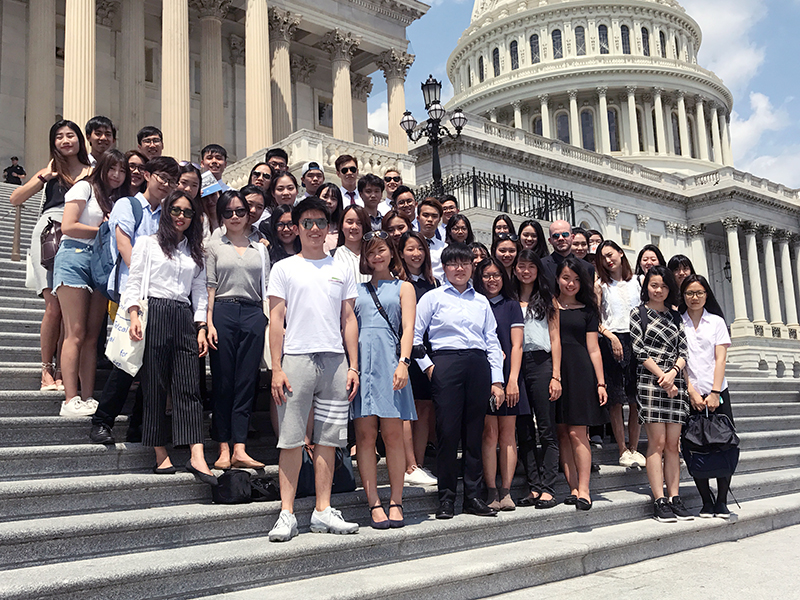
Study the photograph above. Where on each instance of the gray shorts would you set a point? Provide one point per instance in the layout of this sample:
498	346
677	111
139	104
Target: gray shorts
318	381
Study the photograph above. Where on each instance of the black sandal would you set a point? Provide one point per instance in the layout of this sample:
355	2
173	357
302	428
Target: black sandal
529	500
396	523
378	524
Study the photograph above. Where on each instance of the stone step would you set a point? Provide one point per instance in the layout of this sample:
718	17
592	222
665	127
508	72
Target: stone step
21	314
26	301
28	376
751	409
29	403
23	353
181	567
763	384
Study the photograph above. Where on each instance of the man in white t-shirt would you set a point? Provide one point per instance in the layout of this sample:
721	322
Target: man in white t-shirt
314	297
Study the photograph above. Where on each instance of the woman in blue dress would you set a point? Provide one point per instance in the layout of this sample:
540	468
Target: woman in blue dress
384	392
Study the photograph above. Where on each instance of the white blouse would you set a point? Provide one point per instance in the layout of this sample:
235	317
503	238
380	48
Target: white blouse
346	257
702	342
618	299
175	278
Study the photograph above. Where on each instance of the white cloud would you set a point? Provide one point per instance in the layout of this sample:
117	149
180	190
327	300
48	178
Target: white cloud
378	119
780	169
746	134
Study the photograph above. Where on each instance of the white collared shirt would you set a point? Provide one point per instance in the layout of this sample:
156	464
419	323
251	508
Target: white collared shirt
435	246
346	198
701	343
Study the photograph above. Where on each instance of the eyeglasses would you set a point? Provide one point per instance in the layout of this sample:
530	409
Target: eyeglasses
490	276
382	235
239	212
698	294
507	236
563	234
152	141
346	170
321	223
164	180
261	175
458	230
177	211
397	179
404	202
283	226
458	265
134	168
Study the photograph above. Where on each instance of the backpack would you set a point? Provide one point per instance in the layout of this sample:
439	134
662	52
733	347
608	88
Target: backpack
103	259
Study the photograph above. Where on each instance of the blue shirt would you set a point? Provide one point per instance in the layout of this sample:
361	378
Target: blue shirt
122	216
456	321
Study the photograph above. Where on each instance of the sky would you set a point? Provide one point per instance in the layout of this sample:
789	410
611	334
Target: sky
751	44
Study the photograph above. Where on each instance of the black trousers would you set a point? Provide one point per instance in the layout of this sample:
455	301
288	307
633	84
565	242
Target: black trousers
240	332
540	460
170	364
461	386
113	397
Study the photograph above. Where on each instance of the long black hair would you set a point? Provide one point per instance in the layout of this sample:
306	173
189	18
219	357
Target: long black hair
540	302
477	277
508	221
336	194
427	269
654	249
106	195
668	278
169	237
680	260
455	220
711	305
276	250
585	295
59	160
541	239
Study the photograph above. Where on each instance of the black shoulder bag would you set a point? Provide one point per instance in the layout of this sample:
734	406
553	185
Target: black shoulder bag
417	351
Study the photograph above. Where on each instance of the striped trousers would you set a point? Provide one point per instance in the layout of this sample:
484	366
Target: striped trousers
170	366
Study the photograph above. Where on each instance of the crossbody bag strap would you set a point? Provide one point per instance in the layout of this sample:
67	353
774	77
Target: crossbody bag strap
379	306
262	252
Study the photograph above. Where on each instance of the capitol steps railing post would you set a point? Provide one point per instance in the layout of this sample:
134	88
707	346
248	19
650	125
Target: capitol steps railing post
17	234
504	203
474	188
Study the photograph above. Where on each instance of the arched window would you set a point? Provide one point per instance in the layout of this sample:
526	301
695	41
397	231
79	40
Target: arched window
514	51
580	41
496	61
640	129
625	34
602	33
535	56
537	125
613	129
562	127
558	49
587	129
645	41
676	135
692	148
481	71
662	41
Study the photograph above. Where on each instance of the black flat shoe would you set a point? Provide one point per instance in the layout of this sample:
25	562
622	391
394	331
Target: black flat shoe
170	470
551	503
378	524
209	479
476	506
101	434
571	500
396	523
583	504
529	500
446	510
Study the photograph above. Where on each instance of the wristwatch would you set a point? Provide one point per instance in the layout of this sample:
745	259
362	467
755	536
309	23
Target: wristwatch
406	361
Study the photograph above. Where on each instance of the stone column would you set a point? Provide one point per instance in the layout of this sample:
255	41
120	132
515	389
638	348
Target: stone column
302	71
773	293
282	25
517	106
175	107
395	64
702	130
258	101
360	87
131	73
788	279
574	123
341	45
40	93
667	100
663	145
633	130
741	325
754	271
715	137
605	134
727	156
236	58
212	115
683	126
544	99
697	243
79	61
796	242
649	134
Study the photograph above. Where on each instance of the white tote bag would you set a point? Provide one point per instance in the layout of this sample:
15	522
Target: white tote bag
266	358
121	350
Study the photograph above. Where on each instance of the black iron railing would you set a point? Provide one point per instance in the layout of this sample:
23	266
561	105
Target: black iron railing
497	192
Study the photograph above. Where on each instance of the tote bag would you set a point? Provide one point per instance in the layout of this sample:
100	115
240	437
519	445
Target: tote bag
121	350
266	357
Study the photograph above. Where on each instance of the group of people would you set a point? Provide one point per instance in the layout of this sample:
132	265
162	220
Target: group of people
370	307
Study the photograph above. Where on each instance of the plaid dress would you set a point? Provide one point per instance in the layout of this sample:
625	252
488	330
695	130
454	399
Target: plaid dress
664	342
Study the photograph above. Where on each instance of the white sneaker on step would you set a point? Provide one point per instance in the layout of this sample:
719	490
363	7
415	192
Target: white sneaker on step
76	408
420	476
285	527
330	521
626	459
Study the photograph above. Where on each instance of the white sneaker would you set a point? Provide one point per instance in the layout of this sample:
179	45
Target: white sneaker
76	408
638	458
285	527
330	521
420	476
626	459
91	402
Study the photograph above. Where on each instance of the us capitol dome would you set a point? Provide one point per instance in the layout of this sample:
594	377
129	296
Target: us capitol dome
618	78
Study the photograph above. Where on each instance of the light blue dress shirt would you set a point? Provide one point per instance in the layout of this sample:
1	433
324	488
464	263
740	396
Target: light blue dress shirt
456	321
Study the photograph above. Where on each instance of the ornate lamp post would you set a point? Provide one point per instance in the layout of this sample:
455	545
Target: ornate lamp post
433	129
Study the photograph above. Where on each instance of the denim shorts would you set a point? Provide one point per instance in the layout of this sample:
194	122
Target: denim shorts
73	265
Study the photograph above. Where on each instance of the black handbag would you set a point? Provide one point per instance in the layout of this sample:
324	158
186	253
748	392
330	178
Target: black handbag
233	488
343	478
417	351
710	445
50	240
263	489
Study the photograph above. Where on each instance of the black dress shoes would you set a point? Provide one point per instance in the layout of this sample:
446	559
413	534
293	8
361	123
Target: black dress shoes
476	506
446	510
170	470
101	434
205	478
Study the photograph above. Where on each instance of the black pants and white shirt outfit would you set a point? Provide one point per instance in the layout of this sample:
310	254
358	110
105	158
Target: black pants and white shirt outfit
171	351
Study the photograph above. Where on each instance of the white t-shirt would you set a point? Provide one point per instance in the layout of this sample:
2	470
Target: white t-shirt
701	343
314	291
92	214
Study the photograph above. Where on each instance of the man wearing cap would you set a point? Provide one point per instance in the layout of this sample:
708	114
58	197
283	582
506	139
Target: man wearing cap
15	173
312	177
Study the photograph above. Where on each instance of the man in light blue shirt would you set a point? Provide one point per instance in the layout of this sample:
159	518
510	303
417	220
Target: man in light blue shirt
466	368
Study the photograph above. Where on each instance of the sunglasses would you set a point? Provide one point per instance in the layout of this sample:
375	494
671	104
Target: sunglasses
177	211
381	235
507	236
321	223
563	234
239	212
397	179
260	175
346	170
